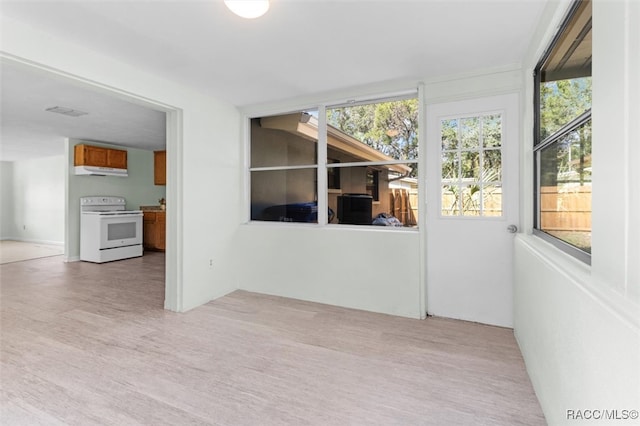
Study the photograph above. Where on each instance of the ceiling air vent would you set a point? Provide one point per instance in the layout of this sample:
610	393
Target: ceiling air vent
67	111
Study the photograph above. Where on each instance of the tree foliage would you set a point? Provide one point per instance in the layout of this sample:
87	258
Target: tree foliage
561	101
569	159
388	127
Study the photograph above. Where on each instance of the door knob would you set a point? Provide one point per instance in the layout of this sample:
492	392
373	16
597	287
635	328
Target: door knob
512	229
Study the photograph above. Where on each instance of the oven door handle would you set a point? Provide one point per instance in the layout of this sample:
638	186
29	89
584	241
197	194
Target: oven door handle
120	214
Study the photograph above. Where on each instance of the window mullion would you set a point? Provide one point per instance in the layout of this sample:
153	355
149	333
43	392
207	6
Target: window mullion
322	190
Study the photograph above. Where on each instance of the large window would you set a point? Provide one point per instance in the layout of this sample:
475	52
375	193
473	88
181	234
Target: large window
369	156
563	137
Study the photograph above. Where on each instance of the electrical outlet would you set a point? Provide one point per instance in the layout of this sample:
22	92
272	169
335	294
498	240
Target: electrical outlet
210	263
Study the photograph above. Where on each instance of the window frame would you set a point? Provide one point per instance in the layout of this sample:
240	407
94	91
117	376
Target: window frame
323	161
539	144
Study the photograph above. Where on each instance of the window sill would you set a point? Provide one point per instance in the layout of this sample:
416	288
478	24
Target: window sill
331	226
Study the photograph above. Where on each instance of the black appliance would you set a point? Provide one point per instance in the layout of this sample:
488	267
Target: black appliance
355	209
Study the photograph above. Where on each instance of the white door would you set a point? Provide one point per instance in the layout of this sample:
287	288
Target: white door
472	200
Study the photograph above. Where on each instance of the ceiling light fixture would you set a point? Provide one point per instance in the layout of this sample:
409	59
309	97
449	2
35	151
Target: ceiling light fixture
67	111
249	9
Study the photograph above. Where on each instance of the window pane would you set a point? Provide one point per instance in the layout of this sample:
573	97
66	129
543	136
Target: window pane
492	165
492	200
284	140
375	195
450	166
382	131
492	131
561	101
284	195
470	132
471	180
450	200
565	188
565	75
449	134
470	165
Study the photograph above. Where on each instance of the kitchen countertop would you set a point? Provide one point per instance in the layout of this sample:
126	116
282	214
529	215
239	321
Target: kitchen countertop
151	209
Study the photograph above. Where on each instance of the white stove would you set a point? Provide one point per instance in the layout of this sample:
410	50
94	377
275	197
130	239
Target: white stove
107	231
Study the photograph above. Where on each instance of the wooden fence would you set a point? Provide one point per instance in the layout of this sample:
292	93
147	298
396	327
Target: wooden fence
403	204
565	208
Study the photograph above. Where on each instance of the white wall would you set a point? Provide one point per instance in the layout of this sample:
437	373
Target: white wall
6	200
137	188
374	270
33	200
578	326
203	158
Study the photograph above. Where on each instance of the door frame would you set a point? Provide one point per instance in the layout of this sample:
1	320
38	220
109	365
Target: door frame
173	269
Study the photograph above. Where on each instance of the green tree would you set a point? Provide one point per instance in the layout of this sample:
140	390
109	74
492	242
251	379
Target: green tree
388	127
561	101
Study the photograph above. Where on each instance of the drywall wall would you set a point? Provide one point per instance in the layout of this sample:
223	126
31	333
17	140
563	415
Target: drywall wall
137	188
577	325
202	154
369	269
34	203
6	200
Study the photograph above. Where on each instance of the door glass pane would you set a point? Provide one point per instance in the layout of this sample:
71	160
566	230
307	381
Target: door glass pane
450	166
449	134
471	179
492	200
492	131
450	200
492	165
469	132
470	164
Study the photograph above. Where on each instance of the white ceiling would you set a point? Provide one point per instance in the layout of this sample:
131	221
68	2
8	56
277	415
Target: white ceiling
300	47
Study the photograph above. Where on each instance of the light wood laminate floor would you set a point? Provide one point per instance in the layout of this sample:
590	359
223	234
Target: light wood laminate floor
87	344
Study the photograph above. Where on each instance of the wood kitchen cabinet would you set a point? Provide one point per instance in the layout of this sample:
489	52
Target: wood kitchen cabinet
154	230
87	155
160	167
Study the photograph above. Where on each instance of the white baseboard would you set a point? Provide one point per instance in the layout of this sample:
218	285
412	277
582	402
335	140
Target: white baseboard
72	259
27	240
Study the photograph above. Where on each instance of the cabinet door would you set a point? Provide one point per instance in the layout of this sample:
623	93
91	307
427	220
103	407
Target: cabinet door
95	156
161	226
160	167
149	230
117	158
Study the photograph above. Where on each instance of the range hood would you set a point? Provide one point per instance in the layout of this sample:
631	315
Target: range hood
100	171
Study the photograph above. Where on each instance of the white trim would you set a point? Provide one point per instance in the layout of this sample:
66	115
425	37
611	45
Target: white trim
321	160
26	240
173	292
370	163
276	168
422	209
245	181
